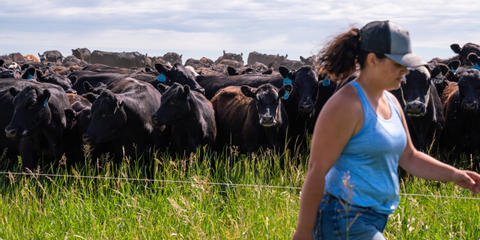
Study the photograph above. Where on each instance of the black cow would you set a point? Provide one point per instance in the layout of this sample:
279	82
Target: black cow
462	113
123	59
189	116
122	116
422	105
250	117
82	54
53	56
39	122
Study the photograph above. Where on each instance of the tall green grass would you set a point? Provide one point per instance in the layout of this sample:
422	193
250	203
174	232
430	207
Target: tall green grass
77	208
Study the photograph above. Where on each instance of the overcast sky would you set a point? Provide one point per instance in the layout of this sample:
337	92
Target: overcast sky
206	28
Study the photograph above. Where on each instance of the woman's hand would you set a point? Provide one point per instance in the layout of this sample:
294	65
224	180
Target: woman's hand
467	179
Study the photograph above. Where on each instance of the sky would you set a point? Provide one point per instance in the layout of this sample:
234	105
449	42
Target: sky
205	28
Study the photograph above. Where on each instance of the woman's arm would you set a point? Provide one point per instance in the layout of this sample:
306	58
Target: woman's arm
338	121
424	166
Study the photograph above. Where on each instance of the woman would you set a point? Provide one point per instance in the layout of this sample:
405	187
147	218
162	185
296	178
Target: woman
361	138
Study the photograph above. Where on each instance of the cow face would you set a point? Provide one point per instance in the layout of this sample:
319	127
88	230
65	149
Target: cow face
175	104
417	87
179	74
108	118
469	89
267	100
305	84
31	109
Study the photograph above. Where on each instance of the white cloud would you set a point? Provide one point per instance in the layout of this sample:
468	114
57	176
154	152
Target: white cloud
296	27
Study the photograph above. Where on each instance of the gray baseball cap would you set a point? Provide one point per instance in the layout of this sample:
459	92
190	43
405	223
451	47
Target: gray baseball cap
391	39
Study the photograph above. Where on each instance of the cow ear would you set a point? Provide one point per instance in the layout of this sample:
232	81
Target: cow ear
29	74
161	87
25	66
456	48
473	57
13	91
453	65
284	71
2	62
285	91
161	68
248	91
44	98
186	90
91	97
441	69
231	71
88	87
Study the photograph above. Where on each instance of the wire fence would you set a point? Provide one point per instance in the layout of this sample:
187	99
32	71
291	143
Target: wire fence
197	183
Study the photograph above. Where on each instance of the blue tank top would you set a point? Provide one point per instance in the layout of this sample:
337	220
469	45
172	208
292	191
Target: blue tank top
366	174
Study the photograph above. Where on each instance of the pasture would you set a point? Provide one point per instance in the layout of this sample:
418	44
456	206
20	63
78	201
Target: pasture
116	208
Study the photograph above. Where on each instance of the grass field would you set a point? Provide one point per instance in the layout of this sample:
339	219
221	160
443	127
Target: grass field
78	208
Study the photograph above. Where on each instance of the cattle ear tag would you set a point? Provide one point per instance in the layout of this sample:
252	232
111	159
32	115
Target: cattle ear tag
476	66
287	81
326	82
161	78
188	96
45	102
452	69
29	77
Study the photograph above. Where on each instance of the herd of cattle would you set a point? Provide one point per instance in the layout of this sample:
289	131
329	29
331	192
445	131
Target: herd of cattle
118	104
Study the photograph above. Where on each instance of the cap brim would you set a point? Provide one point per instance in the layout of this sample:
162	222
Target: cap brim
407	60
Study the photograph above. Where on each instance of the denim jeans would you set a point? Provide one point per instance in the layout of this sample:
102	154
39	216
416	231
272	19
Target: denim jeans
336	219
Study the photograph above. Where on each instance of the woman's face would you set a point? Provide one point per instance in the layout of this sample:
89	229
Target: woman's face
392	73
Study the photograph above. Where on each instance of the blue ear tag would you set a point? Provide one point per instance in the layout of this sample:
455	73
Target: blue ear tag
452	70
45	102
476	66
287	81
326	82
161	78
29	77
188	96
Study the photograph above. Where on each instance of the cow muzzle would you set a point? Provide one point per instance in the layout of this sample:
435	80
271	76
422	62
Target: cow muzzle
87	139
306	108
415	109
268	121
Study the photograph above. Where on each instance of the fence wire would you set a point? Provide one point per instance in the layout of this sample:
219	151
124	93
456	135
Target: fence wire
197	183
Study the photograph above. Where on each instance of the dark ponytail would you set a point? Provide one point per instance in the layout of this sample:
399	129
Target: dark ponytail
338	58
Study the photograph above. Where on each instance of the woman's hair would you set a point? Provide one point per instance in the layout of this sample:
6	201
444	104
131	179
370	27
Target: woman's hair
340	57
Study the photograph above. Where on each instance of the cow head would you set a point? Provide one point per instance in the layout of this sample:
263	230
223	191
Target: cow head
108	117
463	52
31	109
176	103
417	87
305	84
469	89
268	101
179	74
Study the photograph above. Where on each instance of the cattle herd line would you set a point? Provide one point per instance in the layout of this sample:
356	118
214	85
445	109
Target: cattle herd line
125	104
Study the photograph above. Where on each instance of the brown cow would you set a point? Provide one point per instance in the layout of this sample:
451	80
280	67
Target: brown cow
250	117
